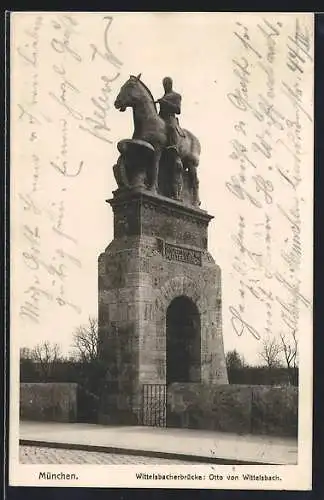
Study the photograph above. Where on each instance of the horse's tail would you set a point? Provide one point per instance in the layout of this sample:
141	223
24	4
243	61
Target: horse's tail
194	146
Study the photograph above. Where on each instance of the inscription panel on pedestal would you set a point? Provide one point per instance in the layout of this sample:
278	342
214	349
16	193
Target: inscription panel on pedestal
179	253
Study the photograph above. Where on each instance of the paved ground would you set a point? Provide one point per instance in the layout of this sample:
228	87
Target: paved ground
161	442
40	455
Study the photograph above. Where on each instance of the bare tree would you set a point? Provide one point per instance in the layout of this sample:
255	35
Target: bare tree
270	352
85	340
234	360
25	353
46	355
289	348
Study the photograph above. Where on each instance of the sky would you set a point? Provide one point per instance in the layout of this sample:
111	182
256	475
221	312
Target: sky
59	69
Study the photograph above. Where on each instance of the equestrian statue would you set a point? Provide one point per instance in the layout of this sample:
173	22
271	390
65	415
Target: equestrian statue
160	156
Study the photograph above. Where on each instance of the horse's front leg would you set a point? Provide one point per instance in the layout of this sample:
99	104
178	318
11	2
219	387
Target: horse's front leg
155	173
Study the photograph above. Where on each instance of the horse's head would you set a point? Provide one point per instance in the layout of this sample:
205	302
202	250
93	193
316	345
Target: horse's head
130	93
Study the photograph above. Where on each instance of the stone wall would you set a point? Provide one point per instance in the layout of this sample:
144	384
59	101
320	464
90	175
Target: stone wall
234	408
48	402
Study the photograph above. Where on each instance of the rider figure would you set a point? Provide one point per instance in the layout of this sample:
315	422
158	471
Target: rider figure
170	105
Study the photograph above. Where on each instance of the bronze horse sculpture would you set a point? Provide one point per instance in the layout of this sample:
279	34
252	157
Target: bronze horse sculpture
151	128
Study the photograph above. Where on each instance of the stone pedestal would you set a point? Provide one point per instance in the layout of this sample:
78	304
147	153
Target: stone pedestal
158	254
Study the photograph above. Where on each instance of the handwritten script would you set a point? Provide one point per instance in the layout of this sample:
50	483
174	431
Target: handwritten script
270	151
55	109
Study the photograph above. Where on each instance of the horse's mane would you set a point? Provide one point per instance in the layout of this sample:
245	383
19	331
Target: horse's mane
147	90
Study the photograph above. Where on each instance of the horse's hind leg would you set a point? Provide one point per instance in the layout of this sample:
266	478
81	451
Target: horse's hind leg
177	181
192	169
155	170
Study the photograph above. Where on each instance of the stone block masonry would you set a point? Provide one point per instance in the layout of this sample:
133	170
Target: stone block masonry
49	401
241	409
158	256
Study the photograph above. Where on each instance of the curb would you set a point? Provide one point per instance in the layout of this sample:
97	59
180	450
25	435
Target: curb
142	453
